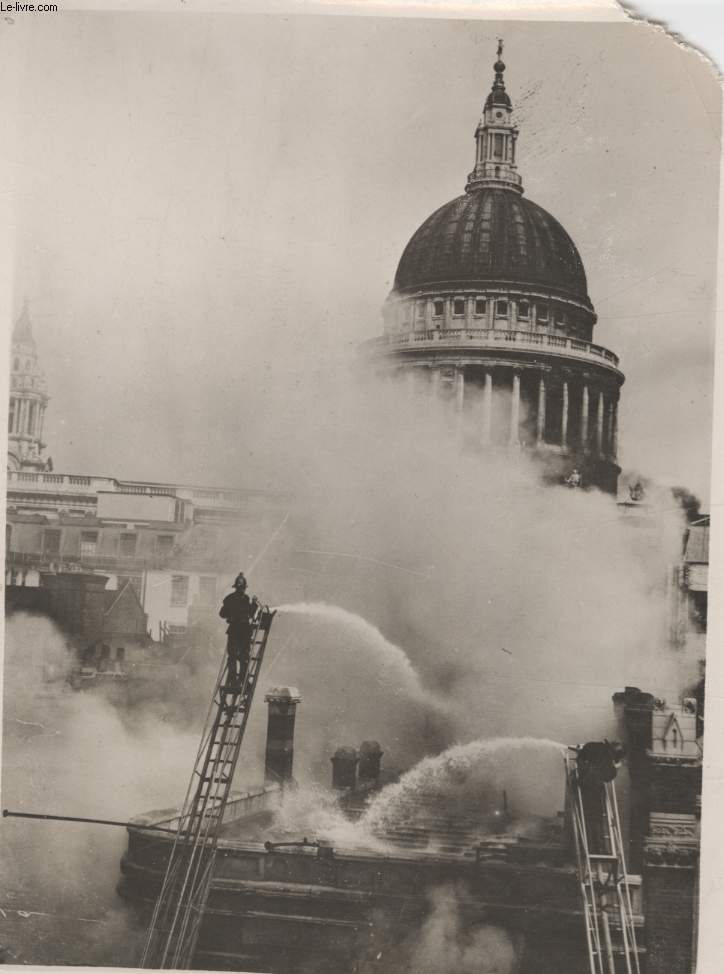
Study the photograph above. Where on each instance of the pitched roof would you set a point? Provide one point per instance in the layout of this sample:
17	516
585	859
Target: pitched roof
697	544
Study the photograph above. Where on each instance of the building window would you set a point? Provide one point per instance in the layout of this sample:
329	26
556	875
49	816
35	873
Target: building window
498	146
164	544
420	310
459	306
88	544
501	308
179	590
542	312
481	306
698	610
207	588
11	416
8	537
560	318
438	308
523	310
127	546
51	541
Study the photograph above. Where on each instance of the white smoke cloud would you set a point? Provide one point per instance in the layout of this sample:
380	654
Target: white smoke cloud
521	609
447	945
73	753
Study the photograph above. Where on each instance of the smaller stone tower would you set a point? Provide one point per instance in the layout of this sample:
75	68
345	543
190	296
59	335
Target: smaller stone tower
28	400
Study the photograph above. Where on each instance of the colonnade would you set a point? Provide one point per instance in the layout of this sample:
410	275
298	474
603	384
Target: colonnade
595	424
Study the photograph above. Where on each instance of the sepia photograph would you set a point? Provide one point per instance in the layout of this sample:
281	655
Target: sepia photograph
360	378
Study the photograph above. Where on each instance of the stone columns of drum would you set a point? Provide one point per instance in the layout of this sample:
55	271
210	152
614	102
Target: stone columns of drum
459	391
541	420
564	415
410	384
584	416
614	429
435	383
487	407
599	425
609	435
515	410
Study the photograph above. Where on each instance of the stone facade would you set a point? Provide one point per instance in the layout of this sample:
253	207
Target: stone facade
177	545
664	761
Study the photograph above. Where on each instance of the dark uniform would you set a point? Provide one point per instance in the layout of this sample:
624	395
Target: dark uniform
238	610
597	763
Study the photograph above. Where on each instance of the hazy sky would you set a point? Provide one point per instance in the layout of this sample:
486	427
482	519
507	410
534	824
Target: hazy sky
210	209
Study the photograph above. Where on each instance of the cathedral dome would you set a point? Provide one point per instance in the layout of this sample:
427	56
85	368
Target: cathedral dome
492	236
490	318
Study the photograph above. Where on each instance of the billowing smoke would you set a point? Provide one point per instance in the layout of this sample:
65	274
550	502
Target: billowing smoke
71	753
434	597
689	502
447	943
521	608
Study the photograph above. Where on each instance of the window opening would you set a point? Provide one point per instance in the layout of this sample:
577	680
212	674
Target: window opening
179	590
88	543
51	541
127	547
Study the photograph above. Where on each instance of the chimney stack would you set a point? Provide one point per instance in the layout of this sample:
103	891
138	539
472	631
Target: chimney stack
77	602
344	767
370	757
279	757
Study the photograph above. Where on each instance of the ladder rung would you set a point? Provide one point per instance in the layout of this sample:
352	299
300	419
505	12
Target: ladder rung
200	821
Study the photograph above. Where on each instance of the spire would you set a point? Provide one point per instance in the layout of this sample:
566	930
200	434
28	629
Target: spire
23	331
497	94
495	138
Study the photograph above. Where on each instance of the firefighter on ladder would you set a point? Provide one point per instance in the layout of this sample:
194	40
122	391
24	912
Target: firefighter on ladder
239	611
597	763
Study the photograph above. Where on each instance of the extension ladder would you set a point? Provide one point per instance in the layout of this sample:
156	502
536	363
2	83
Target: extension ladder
604	883
176	920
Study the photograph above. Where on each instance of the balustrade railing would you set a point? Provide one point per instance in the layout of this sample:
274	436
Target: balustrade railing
491	337
25	478
68	562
